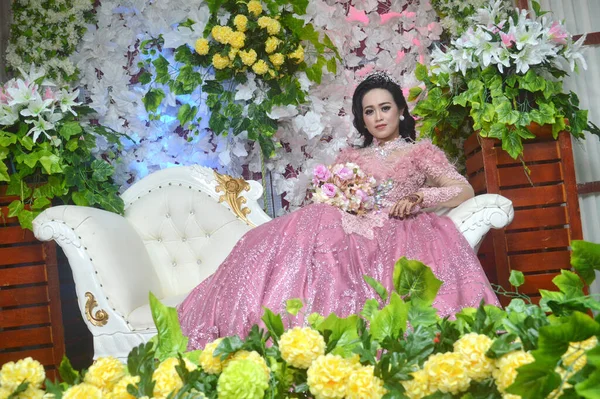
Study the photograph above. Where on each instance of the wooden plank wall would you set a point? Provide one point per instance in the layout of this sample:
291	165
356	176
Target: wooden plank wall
546	209
30	308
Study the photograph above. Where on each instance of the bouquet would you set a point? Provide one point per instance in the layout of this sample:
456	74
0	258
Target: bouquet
345	186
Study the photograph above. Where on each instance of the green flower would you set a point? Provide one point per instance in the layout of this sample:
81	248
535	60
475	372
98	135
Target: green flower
242	379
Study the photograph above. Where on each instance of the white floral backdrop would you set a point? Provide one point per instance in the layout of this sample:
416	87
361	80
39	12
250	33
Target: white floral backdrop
389	35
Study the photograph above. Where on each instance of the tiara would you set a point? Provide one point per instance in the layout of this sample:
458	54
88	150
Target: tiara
380	76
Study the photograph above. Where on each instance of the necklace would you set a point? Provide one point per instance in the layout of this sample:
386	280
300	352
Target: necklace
383	150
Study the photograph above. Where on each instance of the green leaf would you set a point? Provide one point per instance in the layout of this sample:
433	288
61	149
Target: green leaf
544	114
506	113
585	259
414	93
590	388
534	381
212	87
140	362
152	99
502	345
26	219
170	338
370	308
391	320
344	333
416	280
67	373
50	163
512	143
517	278
377	286
314	319
18	390
421	72
6	139
162	69
14	208
102	170
300	6
145	78
419	315
40	203
184	54
53	389
70	129
532	82
273	323
72	144
569	283
4	172
79	198
186	114
228	346
293	306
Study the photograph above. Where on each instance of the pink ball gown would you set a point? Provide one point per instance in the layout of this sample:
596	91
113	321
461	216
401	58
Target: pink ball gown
320	253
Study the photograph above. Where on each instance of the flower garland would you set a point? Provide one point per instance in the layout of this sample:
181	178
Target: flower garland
45	33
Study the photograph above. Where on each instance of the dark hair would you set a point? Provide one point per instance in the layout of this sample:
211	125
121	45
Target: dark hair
380	80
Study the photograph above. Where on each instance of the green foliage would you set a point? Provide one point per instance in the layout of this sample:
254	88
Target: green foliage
188	71
170	339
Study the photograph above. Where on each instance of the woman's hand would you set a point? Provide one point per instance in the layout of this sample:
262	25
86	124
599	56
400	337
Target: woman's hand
405	207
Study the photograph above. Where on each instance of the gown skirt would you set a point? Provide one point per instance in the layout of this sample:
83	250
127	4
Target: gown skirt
307	254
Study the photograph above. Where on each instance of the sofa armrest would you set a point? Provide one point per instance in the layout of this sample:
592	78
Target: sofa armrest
476	216
108	260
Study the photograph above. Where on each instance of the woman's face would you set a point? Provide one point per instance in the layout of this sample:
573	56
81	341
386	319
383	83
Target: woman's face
381	115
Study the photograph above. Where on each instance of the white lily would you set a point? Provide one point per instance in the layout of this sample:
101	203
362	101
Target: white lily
575	52
40	126
36	106
22	94
66	100
8	115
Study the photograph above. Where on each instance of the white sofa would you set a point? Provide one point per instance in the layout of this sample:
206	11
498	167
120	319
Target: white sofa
179	225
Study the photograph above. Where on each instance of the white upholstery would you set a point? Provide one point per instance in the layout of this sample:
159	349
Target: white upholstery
174	234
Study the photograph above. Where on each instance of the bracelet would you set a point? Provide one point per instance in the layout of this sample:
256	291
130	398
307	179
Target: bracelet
414	198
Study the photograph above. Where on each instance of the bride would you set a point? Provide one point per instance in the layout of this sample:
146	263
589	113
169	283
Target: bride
320	253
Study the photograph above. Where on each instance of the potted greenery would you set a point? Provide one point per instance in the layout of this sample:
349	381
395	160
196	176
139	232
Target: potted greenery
498	78
46	149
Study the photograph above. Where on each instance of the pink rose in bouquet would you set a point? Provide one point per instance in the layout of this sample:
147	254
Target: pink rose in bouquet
344	186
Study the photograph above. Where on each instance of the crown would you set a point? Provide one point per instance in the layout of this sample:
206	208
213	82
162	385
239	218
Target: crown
380	76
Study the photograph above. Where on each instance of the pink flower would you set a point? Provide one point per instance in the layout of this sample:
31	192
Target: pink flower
48	94
557	33
508	39
345	173
321	172
329	190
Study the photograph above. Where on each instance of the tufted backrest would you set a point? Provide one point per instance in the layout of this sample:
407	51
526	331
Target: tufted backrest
186	233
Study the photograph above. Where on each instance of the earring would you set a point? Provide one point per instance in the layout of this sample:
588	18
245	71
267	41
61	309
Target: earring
401	117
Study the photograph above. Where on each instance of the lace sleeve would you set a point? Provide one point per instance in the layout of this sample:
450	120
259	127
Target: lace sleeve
347	155
444	186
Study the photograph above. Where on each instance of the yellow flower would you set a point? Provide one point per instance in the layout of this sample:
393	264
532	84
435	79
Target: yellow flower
13	374
327	377
242	379
209	363
246	355
255	8
297	54
271	44
447	372
274	27
473	347
575	356
222	34
362	384
83	391
300	346
232	53
263	22
506	368
166	378
201	46
220	62
120	389
260	67
277	59
418	387
105	373
237	40
240	21
248	57
29	393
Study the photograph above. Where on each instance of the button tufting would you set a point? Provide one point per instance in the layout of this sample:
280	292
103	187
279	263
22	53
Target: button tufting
168	215
174	264
192	213
159	239
184	239
207	235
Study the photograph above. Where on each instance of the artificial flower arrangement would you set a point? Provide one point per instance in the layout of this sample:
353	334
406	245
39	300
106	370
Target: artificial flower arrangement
46	32
455	14
397	347
344	185
499	77
46	149
245	43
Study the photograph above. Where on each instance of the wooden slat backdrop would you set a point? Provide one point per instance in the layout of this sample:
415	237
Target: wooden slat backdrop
546	208
30	307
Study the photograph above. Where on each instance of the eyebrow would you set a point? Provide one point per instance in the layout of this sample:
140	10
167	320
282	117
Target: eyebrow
370	106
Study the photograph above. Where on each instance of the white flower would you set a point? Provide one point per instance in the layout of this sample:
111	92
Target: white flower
66	100
22	94
310	123
8	115
40	126
36	106
574	53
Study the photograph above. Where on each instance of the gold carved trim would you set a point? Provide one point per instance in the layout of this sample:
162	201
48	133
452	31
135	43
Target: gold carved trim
98	319
232	188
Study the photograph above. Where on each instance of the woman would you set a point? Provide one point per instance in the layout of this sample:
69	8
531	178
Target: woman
320	253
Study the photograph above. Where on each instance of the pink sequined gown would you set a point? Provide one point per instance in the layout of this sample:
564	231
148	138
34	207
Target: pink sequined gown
320	254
